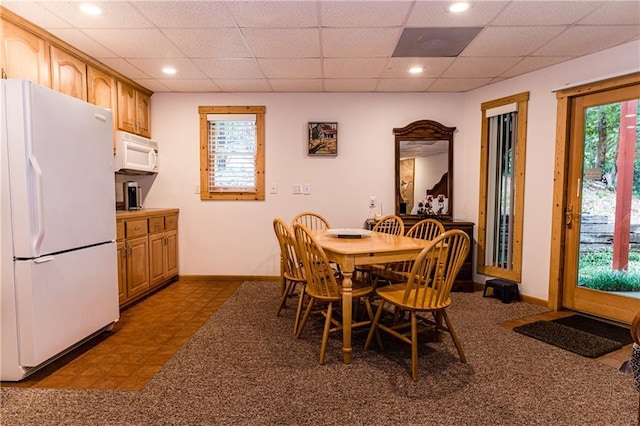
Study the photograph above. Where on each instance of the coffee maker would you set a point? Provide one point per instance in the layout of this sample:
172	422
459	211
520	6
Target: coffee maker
132	196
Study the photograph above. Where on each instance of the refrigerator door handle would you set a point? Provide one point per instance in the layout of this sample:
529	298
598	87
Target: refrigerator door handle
43	259
38	235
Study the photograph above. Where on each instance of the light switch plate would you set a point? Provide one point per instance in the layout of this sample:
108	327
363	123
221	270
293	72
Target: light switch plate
306	189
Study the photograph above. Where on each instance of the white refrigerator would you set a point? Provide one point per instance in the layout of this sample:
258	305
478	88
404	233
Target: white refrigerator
58	228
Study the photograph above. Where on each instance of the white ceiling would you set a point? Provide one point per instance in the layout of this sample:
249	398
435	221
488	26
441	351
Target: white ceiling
328	45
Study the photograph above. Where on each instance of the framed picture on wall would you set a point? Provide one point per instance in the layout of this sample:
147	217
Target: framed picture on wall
323	138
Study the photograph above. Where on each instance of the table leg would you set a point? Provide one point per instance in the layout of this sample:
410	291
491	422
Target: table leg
347	297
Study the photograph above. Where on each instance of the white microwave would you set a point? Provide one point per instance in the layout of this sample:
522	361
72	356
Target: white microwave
135	155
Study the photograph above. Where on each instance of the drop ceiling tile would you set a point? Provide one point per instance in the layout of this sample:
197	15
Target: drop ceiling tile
34	12
354	68
186	14
149	43
209	43
274	14
362	42
536	12
436	14
291	68
513	41
404	84
124	68
283	43
229	68
533	63
434	42
189	85
82	42
479	67
115	14
185	69
350	85
433	67
458	84
614	13
248	85
296	85
582	40
345	14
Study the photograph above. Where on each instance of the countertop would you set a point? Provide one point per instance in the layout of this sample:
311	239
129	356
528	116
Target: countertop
132	214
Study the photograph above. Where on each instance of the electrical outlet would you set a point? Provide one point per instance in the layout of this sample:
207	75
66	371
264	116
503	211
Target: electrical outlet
297	188
306	189
372	202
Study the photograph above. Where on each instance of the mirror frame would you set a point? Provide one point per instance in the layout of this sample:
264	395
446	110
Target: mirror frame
424	130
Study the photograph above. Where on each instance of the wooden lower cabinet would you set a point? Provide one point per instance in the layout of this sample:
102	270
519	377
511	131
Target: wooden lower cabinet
147	252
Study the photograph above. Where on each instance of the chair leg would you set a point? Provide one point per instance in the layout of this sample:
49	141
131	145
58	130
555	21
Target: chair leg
325	332
374	328
305	317
296	323
414	346
367	305
284	295
454	336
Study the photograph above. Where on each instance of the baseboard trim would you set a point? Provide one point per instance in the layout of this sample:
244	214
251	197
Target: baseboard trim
229	278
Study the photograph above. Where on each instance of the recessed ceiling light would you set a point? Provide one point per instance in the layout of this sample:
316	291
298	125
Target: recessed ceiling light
416	70
169	70
90	9
459	7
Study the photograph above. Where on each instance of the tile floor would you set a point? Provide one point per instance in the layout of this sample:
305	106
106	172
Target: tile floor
152	331
146	336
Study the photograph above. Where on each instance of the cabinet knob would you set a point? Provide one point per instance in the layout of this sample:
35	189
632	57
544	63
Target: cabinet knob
137	228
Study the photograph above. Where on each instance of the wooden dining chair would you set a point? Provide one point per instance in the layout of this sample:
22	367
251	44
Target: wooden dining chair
426	229
389	224
291	270
324	290
426	290
313	221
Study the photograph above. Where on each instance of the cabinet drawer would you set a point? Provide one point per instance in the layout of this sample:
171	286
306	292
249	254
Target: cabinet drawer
136	227
156	224
119	230
171	222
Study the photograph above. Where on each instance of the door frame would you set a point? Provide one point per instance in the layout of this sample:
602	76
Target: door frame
565	99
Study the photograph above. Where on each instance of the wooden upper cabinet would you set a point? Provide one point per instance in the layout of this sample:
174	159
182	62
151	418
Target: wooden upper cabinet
143	114
68	73
23	54
134	113
101	88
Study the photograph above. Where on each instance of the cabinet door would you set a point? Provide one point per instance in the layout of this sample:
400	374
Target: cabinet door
23	55
126	107
156	258
143	114
171	247
122	272
137	266
101	88
68	74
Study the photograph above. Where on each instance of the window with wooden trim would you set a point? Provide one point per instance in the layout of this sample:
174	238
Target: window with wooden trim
502	163
232	152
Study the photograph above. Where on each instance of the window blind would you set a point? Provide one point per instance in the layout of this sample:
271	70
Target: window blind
232	155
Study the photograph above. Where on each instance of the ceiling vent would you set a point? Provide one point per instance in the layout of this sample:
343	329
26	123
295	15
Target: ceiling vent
434	42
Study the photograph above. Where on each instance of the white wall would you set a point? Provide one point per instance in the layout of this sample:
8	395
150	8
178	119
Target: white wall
236	237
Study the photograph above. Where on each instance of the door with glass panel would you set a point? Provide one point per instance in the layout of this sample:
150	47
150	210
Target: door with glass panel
602	244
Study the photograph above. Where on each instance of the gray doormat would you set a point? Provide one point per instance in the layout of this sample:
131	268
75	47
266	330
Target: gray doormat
568	338
599	328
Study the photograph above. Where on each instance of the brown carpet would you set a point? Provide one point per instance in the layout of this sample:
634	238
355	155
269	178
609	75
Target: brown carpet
244	367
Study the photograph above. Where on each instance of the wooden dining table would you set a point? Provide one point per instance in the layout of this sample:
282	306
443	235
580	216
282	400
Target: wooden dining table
374	248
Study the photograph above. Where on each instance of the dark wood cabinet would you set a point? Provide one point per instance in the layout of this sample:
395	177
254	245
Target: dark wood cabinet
464	280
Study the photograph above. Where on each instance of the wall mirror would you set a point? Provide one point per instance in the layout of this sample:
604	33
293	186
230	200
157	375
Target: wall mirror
423	168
